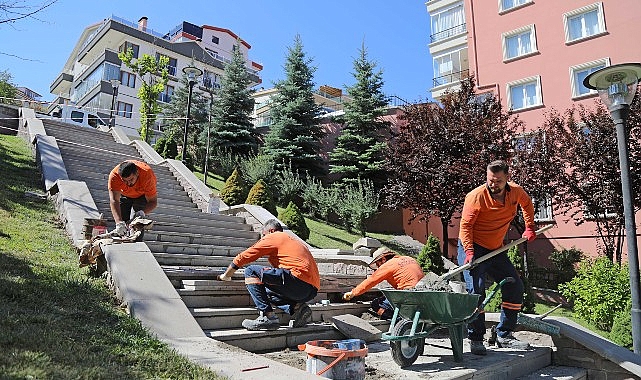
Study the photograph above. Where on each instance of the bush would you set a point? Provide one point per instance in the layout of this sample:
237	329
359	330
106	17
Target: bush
564	261
599	291
621	333
356	204
318	200
259	195
431	258
233	192
294	220
224	163
260	167
289	187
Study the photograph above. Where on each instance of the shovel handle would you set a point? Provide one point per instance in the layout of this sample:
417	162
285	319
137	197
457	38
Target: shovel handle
488	256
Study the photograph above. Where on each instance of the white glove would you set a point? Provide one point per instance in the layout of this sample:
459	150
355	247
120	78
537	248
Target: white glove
347	296
222	277
139	213
121	229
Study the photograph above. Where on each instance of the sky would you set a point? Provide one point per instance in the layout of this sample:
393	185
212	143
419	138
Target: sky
394	33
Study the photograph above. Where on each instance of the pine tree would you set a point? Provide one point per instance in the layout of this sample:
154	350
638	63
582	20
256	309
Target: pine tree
233	192
293	218
232	126
360	147
295	134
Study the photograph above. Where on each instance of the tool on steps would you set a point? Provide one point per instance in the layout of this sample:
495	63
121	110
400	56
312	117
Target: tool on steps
537	324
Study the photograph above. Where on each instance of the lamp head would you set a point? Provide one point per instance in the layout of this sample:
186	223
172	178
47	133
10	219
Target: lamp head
192	73
114	83
615	84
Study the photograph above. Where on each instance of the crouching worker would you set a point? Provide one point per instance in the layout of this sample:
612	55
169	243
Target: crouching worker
402	272
292	280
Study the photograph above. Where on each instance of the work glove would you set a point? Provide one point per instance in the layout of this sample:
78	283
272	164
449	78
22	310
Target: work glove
348	296
222	277
469	256
121	229
139	213
529	234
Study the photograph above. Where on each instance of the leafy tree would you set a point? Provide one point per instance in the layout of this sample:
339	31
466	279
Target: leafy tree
442	153
260	195
234	191
360	148
564	261
294	220
588	188
430	258
7	88
358	203
232	126
154	75
295	135
176	113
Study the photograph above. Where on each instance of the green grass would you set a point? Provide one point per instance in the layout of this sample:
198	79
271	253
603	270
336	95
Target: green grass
541	308
56	322
214	181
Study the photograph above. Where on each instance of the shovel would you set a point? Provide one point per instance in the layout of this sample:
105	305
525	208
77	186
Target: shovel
487	256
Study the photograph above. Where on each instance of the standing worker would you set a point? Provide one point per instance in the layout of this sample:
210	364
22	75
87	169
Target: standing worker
402	272
487	213
132	184
292	280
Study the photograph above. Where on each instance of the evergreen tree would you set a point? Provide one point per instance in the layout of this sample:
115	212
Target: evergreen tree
260	195
293	218
360	147
234	191
176	112
295	134
430	258
232	126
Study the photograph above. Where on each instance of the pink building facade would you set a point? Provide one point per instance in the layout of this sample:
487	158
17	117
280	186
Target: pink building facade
533	55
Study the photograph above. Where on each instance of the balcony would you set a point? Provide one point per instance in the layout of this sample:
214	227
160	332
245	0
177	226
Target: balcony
165	98
447	33
451	78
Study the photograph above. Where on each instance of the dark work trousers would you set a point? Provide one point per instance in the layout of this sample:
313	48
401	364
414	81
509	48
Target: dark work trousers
383	308
278	288
499	267
126	204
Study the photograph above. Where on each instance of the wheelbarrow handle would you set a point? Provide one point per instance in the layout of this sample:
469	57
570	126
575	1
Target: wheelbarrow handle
489	297
488	256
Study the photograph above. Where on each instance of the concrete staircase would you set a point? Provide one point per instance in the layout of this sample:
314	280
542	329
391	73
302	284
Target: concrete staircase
193	247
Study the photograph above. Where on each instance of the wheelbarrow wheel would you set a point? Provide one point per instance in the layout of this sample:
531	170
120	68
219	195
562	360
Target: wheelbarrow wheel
405	351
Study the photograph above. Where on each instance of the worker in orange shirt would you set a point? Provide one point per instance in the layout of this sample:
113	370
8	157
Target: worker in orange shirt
402	272
132	184
290	282
487	213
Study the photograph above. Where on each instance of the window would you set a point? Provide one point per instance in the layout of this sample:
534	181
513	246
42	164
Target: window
447	23
543	209
128	45
166	94
173	63
506	5
128	79
584	22
519	42
448	67
215	40
579	72
525	93
124	109
77	116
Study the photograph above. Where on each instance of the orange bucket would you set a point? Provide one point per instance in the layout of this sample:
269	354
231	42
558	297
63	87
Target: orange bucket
326	360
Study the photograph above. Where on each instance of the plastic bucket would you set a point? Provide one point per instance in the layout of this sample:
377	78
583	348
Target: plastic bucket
325	359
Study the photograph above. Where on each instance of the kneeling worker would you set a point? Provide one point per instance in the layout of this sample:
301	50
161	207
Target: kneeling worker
402	272
292	280
132	184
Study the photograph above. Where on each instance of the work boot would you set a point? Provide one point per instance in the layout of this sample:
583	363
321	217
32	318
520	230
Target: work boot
510	341
477	347
301	315
262	323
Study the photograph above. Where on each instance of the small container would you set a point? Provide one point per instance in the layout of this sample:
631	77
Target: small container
98	230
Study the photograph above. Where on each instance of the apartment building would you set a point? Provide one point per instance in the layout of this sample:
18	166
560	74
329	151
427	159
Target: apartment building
94	77
533	55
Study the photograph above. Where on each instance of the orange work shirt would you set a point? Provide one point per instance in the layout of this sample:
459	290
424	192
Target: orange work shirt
485	221
402	272
145	185
286	252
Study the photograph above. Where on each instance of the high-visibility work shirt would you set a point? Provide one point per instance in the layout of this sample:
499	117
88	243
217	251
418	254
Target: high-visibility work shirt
402	272
145	184
485	221
283	251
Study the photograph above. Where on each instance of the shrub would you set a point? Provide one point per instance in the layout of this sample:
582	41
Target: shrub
621	333
260	167
259	195
430	258
318	200
224	162
564	261
233	192
289	186
598	292
294	220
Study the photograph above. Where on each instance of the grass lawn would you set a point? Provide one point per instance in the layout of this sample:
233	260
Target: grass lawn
56	322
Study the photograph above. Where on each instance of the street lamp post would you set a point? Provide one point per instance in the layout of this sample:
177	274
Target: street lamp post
192	75
211	101
114	86
617	86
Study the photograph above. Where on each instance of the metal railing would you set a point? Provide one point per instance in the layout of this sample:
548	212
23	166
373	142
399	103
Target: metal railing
451	78
443	34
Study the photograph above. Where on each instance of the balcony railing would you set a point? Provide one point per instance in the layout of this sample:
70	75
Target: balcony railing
451	78
443	34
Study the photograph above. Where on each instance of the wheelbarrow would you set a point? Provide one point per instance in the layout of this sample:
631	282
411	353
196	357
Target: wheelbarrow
422	312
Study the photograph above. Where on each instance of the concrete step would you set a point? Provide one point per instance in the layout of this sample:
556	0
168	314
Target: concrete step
108	150
184	260
163	194
53	127
165	202
222	229
214	318
193	249
81	165
166	211
162	187
203	239
557	373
